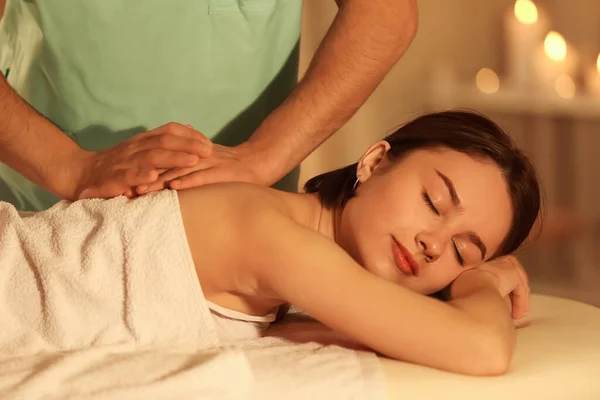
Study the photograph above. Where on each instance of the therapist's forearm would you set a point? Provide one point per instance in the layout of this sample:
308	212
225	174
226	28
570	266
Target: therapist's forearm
364	41
33	146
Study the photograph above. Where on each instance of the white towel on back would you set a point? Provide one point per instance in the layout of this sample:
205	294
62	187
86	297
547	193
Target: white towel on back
99	272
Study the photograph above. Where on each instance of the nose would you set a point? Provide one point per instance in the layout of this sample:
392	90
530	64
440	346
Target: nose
432	244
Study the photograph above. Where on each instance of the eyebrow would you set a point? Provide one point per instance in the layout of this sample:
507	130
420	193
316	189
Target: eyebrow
476	240
451	189
473	237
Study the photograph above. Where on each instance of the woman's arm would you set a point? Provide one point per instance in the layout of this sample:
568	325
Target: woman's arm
473	334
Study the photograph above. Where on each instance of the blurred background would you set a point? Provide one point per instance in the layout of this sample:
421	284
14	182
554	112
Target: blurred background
534	68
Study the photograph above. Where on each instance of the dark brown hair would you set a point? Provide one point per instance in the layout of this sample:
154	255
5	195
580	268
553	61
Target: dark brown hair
464	131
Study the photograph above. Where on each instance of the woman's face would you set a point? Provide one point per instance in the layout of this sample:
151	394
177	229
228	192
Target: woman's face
426	218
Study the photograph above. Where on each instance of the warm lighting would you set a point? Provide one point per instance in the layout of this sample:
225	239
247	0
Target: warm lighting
565	87
526	12
487	81
592	78
555	46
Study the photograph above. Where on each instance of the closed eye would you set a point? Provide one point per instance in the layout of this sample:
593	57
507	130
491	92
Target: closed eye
428	201
461	261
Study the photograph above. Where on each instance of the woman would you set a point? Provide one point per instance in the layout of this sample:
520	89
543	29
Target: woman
431	204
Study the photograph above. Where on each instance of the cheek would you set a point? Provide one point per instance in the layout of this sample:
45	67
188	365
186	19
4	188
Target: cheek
441	275
360	230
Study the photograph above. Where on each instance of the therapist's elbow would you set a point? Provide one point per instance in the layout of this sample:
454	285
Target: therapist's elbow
399	20
411	23
406	22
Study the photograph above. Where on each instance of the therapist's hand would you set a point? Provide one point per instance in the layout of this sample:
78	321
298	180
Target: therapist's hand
139	161
227	164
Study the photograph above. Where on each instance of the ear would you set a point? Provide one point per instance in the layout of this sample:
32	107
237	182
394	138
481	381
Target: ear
373	159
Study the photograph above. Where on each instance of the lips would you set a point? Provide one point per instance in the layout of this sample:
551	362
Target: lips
403	259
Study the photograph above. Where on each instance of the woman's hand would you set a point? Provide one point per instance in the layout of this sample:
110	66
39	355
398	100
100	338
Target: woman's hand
504	274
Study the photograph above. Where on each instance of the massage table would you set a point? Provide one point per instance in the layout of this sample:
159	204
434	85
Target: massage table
557	357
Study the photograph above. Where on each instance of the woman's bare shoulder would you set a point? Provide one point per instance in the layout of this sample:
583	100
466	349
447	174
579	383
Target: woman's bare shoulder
256	216
236	199
247	232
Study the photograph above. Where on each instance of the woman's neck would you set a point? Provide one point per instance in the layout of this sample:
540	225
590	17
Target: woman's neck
317	217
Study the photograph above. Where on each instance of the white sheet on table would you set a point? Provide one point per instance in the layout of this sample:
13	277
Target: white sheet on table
113	373
262	369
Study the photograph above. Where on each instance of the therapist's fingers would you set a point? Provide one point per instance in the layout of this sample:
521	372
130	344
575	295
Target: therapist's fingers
133	177
129	193
200	178
175	143
118	182
178	129
165	177
154	159
174	136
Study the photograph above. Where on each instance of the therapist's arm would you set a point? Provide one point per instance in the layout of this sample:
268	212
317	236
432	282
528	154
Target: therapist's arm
364	41
41	152
366	38
2	6
32	145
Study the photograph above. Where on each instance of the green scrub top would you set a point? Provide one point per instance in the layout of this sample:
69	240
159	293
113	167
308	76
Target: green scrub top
107	70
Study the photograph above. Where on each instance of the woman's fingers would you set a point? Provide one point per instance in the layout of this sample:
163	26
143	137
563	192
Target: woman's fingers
513	284
520	296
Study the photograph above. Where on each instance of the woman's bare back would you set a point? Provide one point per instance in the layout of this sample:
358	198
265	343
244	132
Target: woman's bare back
213	216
